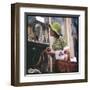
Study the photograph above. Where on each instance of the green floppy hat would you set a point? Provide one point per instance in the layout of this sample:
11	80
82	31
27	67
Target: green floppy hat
56	27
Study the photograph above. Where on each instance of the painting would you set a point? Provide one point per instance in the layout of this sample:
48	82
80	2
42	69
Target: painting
41	44
48	44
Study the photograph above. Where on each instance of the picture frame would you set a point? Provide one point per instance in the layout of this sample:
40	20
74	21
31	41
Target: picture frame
30	30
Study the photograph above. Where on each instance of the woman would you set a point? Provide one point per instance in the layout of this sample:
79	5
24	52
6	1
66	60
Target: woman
59	43
57	52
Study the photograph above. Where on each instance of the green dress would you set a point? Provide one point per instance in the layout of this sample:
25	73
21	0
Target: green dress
59	43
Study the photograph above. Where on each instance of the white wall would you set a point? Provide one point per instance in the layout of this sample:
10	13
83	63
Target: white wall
5	24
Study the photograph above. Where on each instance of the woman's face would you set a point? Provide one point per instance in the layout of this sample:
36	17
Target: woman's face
52	33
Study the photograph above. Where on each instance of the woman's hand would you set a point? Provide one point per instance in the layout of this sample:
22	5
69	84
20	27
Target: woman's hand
67	53
49	51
